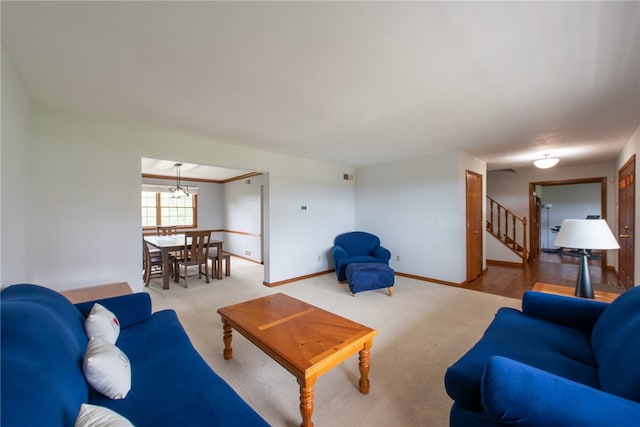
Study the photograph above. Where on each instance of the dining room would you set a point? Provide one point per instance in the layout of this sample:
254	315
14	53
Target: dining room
179	200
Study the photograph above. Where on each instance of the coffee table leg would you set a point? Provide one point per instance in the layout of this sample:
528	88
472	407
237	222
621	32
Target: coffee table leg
364	367
226	337
306	400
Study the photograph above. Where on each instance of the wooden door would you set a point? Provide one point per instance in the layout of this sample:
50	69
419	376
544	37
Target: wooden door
534	227
475	229
626	216
262	224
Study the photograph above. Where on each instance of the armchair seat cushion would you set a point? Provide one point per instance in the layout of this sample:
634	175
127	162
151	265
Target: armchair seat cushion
363	259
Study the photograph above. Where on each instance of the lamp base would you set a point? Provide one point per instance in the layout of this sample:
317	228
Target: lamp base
583	283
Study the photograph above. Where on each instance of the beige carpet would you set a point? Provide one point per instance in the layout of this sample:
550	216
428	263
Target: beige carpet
422	330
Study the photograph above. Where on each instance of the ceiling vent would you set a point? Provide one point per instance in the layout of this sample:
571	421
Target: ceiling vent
503	170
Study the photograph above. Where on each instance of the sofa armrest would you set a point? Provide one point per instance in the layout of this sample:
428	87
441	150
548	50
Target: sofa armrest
380	252
577	313
513	391
339	252
129	309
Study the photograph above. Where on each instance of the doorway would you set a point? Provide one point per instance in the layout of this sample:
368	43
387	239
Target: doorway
230	202
541	212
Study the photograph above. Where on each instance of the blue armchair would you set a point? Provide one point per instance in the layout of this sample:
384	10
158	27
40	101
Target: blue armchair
561	361
357	247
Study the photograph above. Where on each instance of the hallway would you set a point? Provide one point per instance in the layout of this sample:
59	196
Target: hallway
550	268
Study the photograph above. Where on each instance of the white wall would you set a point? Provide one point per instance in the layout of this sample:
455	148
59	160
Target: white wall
512	190
85	181
633	147
85	221
417	208
308	235
498	251
241	212
14	178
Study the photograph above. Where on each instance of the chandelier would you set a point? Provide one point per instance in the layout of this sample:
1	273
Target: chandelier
179	191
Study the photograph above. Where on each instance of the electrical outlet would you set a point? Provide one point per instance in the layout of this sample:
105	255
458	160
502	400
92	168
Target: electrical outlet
318	258
397	257
247	252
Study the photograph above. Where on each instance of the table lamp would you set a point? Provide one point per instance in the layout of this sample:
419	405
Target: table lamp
584	235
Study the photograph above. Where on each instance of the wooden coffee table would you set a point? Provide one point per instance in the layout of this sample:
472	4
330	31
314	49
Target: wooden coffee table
570	291
306	340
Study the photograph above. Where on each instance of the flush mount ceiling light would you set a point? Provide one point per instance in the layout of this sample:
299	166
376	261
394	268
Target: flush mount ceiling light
178	190
546	163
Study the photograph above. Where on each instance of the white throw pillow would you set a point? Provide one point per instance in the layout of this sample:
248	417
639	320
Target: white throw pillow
99	416
107	369
102	323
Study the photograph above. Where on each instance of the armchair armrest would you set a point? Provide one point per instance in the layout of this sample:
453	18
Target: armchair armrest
129	309
575	313
380	252
339	252
513	391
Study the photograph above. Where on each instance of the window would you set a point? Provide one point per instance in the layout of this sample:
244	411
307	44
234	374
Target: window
159	208
149	209
176	211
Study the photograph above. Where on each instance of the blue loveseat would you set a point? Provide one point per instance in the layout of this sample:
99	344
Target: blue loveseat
357	247
43	343
559	362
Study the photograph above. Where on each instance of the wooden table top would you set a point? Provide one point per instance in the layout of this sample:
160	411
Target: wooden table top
97	292
570	291
173	241
304	339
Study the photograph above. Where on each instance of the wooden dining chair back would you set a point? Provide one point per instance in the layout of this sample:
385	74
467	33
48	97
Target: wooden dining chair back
166	230
151	264
194	253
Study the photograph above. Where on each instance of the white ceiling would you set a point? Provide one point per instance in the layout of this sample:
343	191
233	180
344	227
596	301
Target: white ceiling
353	83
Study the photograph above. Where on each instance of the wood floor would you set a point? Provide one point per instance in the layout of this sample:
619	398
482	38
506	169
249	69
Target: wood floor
550	268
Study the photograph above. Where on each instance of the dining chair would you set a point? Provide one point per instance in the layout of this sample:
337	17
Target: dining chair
166	230
194	253
226	258
151	264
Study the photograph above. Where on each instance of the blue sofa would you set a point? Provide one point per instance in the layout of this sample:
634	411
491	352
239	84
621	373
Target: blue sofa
357	247
43	344
561	361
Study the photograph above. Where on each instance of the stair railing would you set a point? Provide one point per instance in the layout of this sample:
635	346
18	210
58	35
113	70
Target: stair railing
507	227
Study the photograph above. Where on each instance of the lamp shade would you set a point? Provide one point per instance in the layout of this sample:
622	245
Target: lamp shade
586	234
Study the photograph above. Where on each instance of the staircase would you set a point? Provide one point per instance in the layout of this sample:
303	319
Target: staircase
508	228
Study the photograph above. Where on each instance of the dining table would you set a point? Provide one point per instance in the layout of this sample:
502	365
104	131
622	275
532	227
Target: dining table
176	242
